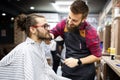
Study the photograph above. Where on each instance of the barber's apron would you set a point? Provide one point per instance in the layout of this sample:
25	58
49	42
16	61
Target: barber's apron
76	48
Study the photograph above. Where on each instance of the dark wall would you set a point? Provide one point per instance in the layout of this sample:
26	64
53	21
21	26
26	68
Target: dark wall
6	30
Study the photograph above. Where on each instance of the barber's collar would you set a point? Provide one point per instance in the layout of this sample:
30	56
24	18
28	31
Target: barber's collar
83	25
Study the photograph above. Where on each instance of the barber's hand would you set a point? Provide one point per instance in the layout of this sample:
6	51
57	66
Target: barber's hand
71	62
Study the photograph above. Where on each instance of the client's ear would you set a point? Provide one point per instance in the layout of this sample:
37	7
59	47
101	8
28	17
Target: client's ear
32	30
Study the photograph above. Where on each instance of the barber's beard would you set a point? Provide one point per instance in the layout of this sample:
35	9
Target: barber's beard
43	36
73	28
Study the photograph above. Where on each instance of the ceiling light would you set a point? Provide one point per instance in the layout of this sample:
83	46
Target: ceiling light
55	6
62	6
59	8
12	18
32	8
3	14
63	2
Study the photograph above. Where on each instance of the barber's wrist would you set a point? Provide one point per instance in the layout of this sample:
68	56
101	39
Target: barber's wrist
79	62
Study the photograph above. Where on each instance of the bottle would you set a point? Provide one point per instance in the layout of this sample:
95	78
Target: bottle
112	53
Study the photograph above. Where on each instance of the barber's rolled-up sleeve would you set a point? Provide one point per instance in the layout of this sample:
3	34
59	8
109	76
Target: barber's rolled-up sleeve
93	42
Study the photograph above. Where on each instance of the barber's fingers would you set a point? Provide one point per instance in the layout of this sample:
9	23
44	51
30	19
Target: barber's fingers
52	35
71	62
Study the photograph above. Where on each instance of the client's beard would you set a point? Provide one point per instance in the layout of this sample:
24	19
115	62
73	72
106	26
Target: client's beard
47	36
